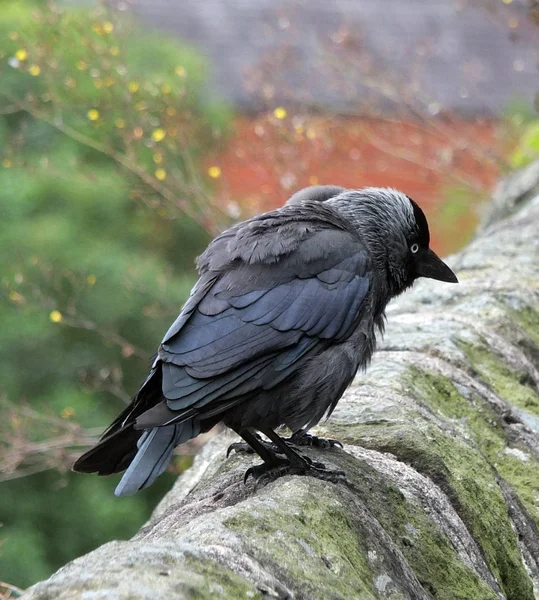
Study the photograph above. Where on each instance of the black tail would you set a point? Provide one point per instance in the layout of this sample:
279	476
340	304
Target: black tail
118	444
112	454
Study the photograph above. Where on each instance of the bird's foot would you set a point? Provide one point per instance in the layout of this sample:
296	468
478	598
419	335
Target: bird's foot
244	447
266	473
302	438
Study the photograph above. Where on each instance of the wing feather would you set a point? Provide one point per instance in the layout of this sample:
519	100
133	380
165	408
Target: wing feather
252	322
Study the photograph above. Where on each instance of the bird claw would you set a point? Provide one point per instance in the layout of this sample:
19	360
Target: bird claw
244	447
301	438
264	474
239	447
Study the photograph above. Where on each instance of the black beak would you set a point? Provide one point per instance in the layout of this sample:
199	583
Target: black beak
430	265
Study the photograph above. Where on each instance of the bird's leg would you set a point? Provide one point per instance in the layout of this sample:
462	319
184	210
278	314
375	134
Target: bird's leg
266	453
295	465
302	438
248	448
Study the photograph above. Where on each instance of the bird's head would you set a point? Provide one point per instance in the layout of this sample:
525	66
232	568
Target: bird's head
396	232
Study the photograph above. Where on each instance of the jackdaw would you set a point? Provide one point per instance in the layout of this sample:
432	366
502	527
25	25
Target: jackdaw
284	314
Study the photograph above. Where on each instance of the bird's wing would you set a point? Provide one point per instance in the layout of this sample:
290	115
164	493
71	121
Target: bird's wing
279	294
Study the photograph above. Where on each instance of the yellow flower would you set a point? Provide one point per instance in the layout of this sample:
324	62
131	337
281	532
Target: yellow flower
108	27
158	134
214	172
34	70
160	174
120	123
98	29
67	412
15	297
93	114
171	111
157	158
21	54
133	86
81	65
280	113
165	89
108	81
55	316
6	163
98	83
91	279
114	50
180	71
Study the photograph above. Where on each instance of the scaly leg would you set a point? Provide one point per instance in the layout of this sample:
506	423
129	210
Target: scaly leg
294	464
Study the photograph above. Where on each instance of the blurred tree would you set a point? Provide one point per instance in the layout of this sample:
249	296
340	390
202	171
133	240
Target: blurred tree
103	208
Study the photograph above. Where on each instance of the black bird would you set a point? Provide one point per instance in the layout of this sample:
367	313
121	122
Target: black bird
283	315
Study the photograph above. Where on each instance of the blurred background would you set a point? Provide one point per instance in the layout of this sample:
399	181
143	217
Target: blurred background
131	132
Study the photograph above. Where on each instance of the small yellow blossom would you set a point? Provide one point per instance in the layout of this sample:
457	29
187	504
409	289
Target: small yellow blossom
67	412
214	172
133	86
166	89
280	113
114	50
91	279
55	316
6	163
160	174
98	84
21	54
98	29
34	70
13	35
120	123
299	128
108	27
171	111
93	114
15	297
507	1
157	158
108	81
81	65
158	134
180	71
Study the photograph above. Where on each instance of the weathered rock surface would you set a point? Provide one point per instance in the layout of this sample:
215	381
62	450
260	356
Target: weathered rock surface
441	451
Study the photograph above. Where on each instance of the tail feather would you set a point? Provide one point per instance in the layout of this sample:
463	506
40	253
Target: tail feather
112	454
155	448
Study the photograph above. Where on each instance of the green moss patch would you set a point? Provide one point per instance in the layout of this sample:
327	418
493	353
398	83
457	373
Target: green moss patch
314	537
506	383
477	417
468	480
218	582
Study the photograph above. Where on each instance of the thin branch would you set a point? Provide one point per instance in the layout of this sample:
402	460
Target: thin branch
131	166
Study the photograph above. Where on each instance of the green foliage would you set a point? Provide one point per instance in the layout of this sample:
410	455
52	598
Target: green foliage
528	147
103	130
